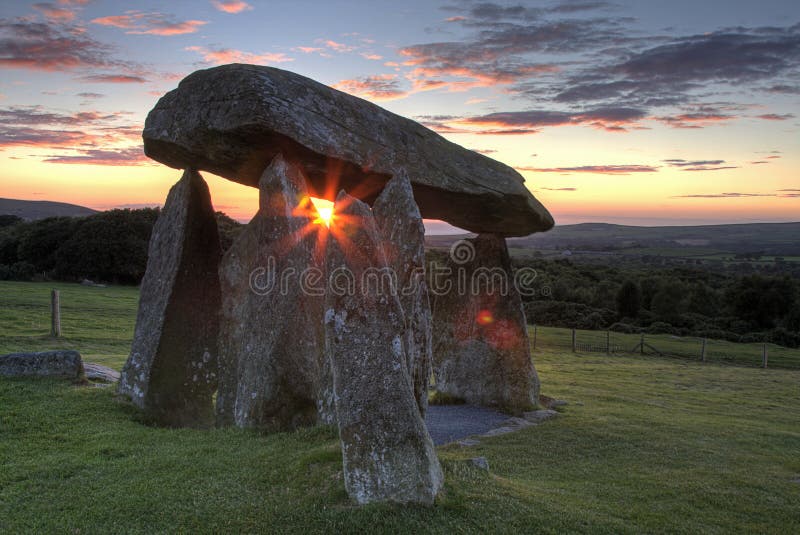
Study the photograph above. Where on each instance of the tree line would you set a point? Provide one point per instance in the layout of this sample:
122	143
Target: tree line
108	246
685	301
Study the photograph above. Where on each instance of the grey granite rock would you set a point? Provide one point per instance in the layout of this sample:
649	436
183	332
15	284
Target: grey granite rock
400	224
481	350
58	363
271	330
387	452
233	119
171	372
98	372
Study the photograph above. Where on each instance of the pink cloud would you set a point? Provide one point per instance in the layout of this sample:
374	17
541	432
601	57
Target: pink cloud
113	157
55	13
113	79
379	87
338	47
140	23
231	6
221	56
595	169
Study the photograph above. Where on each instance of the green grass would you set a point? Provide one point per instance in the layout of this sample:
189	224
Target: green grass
96	321
646	444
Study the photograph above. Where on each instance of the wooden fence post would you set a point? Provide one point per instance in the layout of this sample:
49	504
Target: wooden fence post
55	314
764	355
573	340
534	337
703	351
642	344
608	342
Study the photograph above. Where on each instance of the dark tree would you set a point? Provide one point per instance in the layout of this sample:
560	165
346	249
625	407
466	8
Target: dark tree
6	220
628	300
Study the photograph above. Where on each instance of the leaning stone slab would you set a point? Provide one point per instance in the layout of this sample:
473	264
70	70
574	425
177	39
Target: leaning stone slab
171	372
403	233
233	119
387	452
481	350
271	330
98	372
59	363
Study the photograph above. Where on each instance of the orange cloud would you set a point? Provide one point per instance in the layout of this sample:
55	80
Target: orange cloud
228	55
113	79
140	23
231	6
55	13
338	47
379	87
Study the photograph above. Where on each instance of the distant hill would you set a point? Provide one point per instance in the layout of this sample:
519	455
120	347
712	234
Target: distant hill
763	238
31	210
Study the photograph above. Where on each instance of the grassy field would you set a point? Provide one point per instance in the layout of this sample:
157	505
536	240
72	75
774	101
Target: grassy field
646	444
688	347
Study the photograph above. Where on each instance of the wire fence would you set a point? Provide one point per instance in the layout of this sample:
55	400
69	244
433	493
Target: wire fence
687	347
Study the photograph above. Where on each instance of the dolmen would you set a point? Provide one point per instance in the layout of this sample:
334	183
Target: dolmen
302	323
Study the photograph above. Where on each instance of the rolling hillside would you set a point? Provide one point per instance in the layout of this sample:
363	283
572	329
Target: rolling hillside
768	239
31	210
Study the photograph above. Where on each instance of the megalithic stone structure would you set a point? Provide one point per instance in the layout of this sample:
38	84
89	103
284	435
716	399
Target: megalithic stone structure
233	119
387	452
400	224
171	372
271	332
481	350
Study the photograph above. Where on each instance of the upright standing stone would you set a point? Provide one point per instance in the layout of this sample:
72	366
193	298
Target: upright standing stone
271	339
387	452
400	224
171	371
481	350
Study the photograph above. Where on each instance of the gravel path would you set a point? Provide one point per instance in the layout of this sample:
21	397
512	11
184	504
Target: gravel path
447	423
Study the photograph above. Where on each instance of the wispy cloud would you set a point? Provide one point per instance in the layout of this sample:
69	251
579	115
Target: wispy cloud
699	165
113	79
44	46
776	116
336	46
219	56
617	119
89	137
231	6
594	169
152	23
380	87
54	12
733	195
113	157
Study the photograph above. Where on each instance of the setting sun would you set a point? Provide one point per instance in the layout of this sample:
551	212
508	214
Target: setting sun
324	211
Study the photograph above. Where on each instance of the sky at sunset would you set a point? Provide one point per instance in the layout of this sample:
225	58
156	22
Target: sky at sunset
633	112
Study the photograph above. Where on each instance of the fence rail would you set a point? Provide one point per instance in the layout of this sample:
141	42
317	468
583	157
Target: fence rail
688	347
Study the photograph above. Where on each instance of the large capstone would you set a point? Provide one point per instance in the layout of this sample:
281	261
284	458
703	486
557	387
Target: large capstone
171	372
387	452
480	338
403	233
233	119
271	331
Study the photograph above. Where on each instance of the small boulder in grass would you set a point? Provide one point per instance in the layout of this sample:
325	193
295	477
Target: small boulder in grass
58	363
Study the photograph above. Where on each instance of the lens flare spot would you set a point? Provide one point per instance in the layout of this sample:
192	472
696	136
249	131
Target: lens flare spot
485	317
324	210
